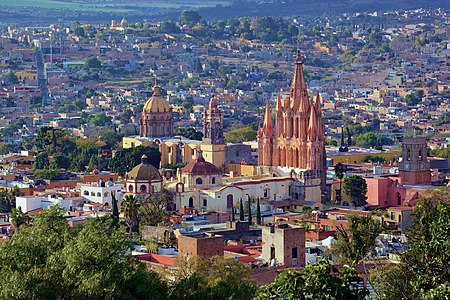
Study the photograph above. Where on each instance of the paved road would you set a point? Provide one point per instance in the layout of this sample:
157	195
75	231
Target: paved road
41	77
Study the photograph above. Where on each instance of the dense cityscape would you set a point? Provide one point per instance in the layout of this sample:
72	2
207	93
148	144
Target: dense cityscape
186	154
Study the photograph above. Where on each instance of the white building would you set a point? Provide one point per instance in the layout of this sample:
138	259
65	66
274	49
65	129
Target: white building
101	192
30	203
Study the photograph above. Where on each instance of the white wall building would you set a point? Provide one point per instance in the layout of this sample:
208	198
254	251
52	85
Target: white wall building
101	192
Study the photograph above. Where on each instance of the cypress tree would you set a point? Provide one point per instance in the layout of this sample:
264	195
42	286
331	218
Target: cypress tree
115	211
258	213
241	210
249	210
233	217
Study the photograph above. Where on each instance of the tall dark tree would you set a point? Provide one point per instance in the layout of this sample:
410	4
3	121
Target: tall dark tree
233	216
249	208
339	169
356	189
241	210
258	212
115	211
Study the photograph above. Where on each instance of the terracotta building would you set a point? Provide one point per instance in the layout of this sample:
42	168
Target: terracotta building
297	140
202	244
156	119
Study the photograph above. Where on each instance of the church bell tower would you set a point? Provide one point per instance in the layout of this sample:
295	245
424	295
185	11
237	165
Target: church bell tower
213	144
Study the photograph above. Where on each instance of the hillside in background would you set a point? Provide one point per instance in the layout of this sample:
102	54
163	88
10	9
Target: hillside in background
102	11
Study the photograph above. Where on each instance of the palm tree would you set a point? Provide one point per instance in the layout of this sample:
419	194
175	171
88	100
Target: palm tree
130	211
340	169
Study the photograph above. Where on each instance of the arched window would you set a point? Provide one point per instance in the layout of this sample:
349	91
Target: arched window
266	193
229	200
106	204
408	155
199	181
93	194
106	194
99	194
143	188
191	202
213	180
420	154
86	193
130	188
399	199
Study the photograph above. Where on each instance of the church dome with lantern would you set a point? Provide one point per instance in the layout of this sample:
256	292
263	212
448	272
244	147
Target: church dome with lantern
200	174
143	178
156	119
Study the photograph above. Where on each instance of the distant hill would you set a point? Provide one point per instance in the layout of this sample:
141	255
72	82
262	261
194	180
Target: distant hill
102	11
315	7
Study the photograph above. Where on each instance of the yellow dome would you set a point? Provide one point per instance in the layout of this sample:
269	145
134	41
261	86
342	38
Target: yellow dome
156	103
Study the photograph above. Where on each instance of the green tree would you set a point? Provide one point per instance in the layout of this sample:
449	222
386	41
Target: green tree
18	218
50	174
258	213
93	62
423	272
79	31
41	161
190	18
340	169
319	281
249	210
241	210
154	209
355	187
240	135
126	159
129	209
61	161
48	259
354	242
216	278
12	78
115	210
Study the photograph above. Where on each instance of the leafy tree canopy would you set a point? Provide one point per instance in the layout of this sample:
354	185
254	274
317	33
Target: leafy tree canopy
319	281
126	159
356	189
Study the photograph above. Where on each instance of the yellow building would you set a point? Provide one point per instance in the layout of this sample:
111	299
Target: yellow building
358	157
27	75
172	149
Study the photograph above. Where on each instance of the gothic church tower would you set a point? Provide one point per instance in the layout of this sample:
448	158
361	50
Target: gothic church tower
297	139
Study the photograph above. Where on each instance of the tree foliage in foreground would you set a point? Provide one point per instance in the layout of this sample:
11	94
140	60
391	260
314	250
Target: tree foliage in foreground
424	271
354	242
49	260
217	278
317	281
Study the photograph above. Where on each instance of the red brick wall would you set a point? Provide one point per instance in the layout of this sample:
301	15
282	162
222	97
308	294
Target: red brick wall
204	247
